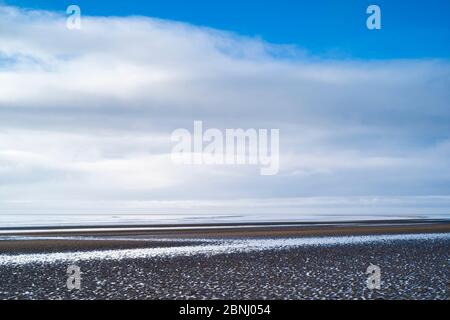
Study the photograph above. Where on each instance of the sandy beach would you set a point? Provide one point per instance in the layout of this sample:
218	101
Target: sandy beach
254	261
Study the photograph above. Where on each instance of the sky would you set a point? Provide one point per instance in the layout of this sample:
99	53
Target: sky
86	115
329	28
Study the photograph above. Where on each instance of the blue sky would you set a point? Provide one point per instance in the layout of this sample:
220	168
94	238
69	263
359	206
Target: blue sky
330	29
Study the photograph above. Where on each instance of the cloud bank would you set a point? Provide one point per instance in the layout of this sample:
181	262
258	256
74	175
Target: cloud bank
86	117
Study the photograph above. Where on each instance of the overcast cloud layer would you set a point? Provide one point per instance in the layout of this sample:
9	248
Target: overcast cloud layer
86	117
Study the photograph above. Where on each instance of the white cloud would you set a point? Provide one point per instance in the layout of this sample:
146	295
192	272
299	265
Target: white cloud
87	114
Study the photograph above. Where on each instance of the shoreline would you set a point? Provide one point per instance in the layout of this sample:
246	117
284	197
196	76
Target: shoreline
408	224
127	237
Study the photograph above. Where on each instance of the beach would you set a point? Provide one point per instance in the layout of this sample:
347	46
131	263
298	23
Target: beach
229	261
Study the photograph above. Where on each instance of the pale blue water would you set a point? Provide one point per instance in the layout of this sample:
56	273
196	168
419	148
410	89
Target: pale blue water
24	220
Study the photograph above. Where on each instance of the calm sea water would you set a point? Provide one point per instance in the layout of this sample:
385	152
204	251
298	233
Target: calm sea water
23	220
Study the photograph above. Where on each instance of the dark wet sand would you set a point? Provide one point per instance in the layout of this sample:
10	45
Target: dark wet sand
411	269
207	232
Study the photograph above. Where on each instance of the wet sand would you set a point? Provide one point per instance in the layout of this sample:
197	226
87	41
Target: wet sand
411	268
94	238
